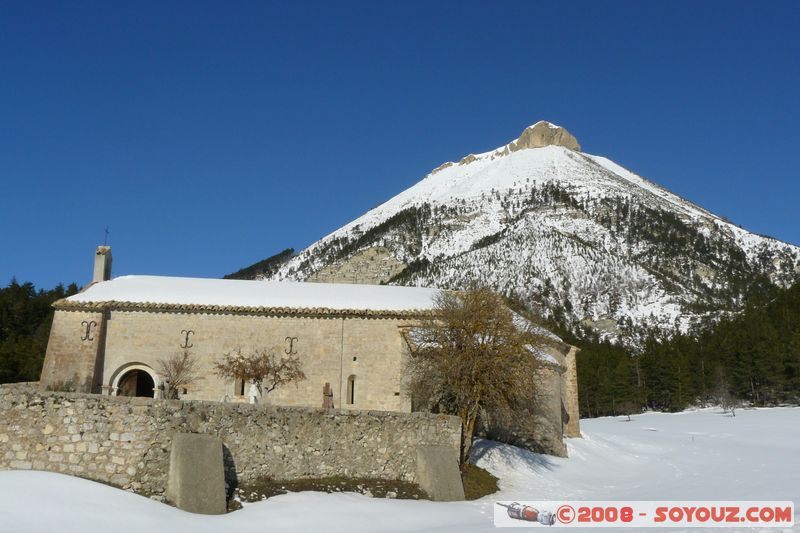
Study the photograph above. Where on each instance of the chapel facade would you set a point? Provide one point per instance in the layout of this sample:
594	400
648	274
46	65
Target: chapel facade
110	338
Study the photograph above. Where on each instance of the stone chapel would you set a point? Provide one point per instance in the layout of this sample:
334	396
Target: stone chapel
109	338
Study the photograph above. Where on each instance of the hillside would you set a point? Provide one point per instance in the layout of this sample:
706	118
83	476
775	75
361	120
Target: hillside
572	236
264	268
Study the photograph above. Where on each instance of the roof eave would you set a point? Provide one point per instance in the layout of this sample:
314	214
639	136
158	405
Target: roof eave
157	307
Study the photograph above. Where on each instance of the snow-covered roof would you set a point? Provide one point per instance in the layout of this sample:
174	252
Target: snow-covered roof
523	324
257	294
543	355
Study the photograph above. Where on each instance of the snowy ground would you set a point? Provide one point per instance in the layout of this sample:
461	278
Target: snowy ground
702	455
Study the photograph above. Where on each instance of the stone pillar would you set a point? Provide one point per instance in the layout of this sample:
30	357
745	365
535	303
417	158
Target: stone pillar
196	481
438	473
569	389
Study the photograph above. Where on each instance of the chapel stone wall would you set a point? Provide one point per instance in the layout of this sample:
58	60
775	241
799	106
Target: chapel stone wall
74	356
539	426
331	350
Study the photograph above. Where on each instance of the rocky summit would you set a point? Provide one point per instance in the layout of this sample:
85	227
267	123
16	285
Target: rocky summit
542	134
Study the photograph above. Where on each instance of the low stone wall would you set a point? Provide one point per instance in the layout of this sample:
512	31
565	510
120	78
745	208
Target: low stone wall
126	441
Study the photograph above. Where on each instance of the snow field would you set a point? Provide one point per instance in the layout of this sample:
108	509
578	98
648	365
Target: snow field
703	455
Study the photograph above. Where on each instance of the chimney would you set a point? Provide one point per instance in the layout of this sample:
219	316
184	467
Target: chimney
102	264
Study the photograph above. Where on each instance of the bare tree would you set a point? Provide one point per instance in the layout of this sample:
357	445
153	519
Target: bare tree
628	408
474	355
730	403
178	372
723	395
261	367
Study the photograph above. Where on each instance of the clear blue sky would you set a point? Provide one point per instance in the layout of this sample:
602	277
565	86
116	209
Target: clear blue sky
210	135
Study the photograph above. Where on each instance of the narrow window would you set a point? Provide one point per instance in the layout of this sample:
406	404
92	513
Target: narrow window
351	390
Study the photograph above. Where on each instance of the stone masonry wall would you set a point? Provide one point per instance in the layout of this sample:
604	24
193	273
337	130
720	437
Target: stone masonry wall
540	426
126	441
330	350
76	341
552	413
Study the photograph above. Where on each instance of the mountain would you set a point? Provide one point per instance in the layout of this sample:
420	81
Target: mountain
263	268
573	236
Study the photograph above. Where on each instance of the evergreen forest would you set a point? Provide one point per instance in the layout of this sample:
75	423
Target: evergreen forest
751	357
25	319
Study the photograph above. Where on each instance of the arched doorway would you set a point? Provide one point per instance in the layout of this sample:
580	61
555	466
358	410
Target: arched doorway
136	383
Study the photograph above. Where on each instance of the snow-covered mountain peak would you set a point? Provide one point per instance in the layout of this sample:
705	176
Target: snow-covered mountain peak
573	236
538	135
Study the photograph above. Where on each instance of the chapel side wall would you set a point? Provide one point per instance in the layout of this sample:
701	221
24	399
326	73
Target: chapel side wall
539	427
72	358
569	388
548	430
126	441
543	430
325	347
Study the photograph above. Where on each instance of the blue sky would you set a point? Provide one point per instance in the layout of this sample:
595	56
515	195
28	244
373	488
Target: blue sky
210	135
